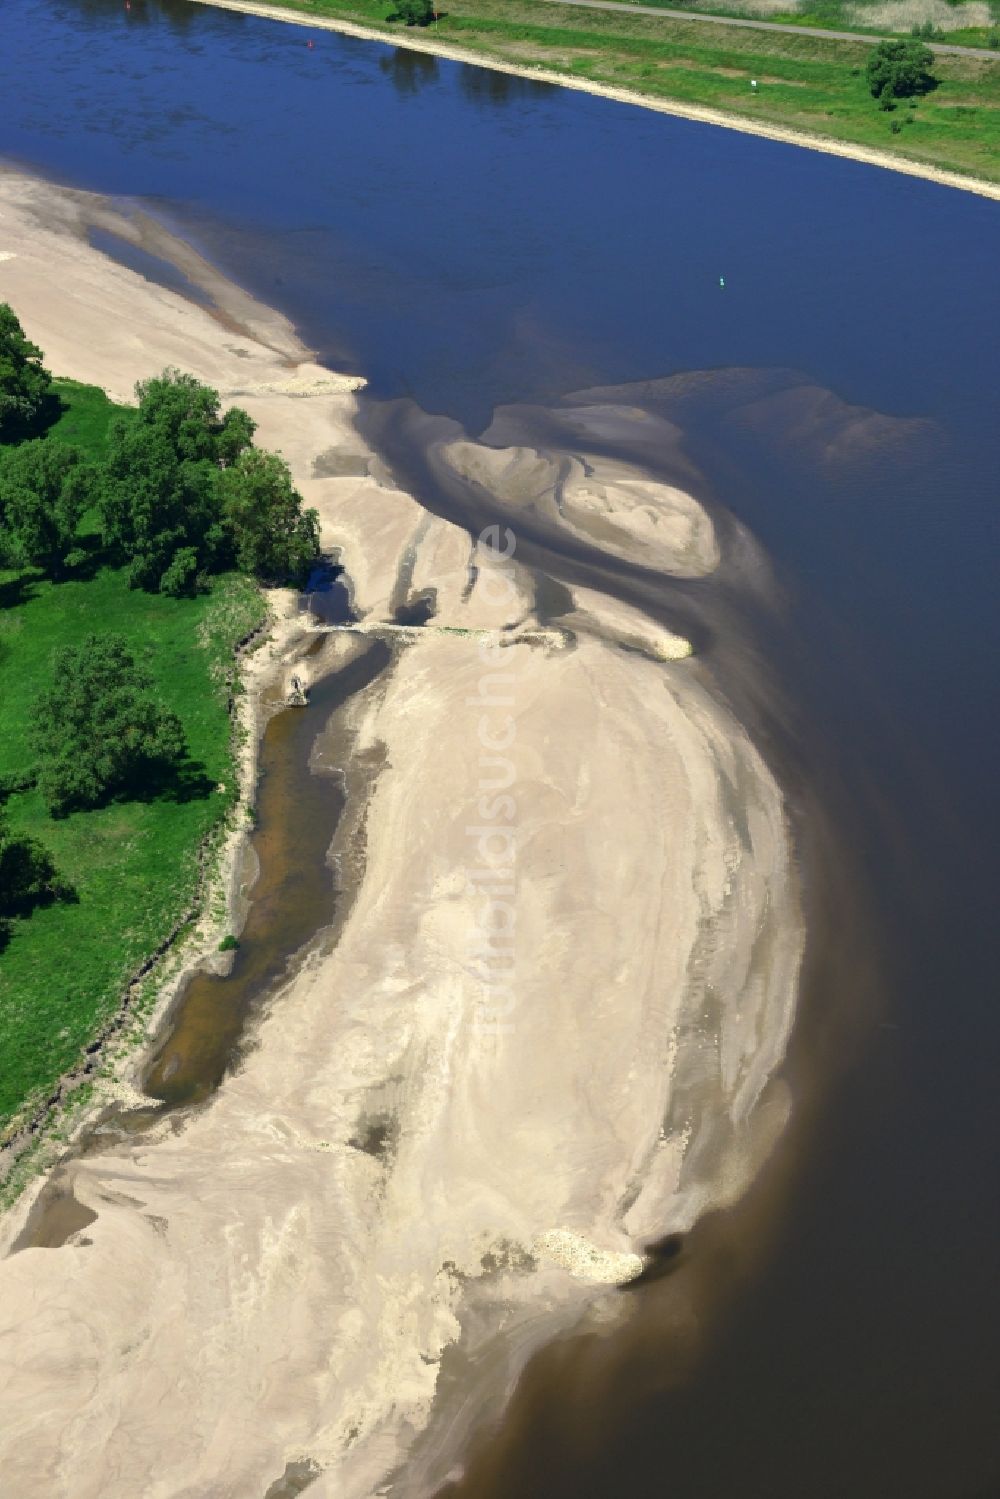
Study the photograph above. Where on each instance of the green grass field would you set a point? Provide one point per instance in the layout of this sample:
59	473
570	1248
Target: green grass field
134	865
805	83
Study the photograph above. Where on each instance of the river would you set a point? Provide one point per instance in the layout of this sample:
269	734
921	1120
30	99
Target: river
468	240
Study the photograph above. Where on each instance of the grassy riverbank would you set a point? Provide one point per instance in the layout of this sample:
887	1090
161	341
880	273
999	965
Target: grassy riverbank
806	84
133	865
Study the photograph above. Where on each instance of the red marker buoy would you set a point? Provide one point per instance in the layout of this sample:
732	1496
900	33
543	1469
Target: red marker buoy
309	45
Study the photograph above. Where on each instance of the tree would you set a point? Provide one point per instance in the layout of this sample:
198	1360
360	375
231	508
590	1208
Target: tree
896	69
27	874
235	435
182	492
181	576
272	535
24	382
96	730
155	490
41	502
183	411
414	12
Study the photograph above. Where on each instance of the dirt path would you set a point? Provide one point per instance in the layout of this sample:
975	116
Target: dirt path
837	36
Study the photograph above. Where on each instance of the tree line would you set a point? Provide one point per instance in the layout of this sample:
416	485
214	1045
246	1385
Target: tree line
179	493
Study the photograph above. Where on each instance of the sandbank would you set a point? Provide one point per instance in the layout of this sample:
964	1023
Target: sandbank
544	1037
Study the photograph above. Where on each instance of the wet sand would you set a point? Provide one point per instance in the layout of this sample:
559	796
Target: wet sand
545	1035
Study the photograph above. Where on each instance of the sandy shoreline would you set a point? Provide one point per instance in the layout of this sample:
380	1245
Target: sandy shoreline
545	1036
404	38
43	224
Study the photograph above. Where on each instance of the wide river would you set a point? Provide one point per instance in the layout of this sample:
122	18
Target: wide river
469	239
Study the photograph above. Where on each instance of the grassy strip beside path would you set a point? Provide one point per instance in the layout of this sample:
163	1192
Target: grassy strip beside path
825	15
807	84
133	864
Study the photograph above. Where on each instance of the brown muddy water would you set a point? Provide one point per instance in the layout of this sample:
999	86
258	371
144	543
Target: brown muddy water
307	857
296	891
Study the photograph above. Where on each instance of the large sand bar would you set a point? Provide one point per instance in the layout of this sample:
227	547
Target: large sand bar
544	1037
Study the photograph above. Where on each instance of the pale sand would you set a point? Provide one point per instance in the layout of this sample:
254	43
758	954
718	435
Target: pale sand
403	37
602	500
257	1287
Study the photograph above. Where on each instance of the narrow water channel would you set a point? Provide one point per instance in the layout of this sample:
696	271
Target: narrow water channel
301	868
296	892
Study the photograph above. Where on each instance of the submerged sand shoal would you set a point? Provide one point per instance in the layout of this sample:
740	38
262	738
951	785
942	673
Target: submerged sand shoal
541	1040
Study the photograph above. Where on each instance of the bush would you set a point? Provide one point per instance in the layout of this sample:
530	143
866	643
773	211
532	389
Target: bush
228	944
896	69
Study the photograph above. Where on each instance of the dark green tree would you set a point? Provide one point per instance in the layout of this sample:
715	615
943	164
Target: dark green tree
97	731
41	500
27	874
181	577
156	489
414	12
235	435
272	536
25	394
899	68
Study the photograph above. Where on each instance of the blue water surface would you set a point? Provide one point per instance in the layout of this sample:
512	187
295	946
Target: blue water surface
469	237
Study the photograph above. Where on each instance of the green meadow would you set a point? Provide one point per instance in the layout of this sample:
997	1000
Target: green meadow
133	865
